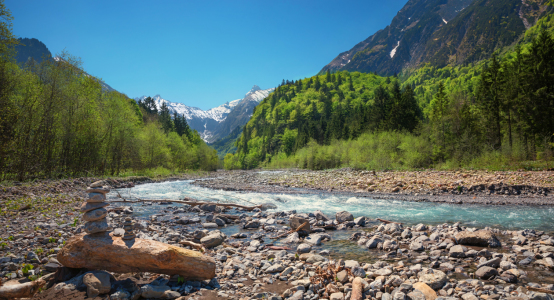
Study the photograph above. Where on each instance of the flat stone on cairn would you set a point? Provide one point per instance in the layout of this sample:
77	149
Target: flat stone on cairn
93	209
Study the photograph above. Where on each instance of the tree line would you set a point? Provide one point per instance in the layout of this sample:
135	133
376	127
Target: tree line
57	121
496	112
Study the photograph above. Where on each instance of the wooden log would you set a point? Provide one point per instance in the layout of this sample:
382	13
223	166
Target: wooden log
191	203
357	289
193	245
103	251
387	222
23	290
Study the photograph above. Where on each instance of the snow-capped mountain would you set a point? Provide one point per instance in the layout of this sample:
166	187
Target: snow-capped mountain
207	122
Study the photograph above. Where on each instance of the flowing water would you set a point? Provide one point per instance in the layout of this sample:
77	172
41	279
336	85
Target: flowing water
410	213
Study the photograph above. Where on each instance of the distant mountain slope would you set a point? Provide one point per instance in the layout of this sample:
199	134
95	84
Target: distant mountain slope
31	49
214	123
242	112
440	32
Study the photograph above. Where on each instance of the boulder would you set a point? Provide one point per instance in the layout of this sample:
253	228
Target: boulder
106	252
457	252
435	280
360	221
373	242
213	239
97	283
426	290
96	214
344	216
481	238
252	225
210	207
486	273
304	248
296	221
321	216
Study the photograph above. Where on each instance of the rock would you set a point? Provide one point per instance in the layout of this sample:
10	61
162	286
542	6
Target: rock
315	258
337	296
420	227
98	183
95	214
120	295
276	268
358	272
88	206
481	238
383	272
96	197
293	238
105	252
392	228
320	216
399	296
252	225
416	246
486	273
219	222
342	276
541	296
426	290
214	239
360	221
373	242
97	283
469	296
304	248
457	252
101	190
210	207
154	291
210	225
268	205
495	263
344	216
435	280
296	221
313	239
417	295
97	226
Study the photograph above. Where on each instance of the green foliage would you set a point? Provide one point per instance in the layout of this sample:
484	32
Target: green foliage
26	268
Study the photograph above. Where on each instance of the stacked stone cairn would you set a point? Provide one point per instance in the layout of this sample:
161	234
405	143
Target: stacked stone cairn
128	227
94	211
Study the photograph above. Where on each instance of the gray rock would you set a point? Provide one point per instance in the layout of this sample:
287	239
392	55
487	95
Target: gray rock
373	242
97	283
320	216
209	225
210	208
276	268
219	222
293	238
97	226
214	239
342	276
358	272
154	291
486	273
95	214
315	258
120	295
344	216
457	252
313	239
416	246
435	280
304	248
495	263
252	225
337	296
360	221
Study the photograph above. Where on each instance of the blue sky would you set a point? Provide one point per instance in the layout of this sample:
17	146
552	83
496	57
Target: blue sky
201	53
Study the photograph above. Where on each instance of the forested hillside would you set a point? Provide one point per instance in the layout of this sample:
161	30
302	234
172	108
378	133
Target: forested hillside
496	113
57	121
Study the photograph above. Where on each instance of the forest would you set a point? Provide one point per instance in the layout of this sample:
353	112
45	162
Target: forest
495	114
58	122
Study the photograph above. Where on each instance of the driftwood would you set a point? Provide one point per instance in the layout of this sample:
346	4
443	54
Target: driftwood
272	247
387	222
193	245
23	290
534	289
192	203
292	231
357	289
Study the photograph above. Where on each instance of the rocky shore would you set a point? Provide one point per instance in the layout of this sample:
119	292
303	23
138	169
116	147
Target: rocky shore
467	187
274	254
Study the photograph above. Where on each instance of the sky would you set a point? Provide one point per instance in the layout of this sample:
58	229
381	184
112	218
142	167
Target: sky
200	53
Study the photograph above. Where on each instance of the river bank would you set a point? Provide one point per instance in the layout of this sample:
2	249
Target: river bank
398	258
471	187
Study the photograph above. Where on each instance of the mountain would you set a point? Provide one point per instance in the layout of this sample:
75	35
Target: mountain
441	32
241	113
214	123
31	49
